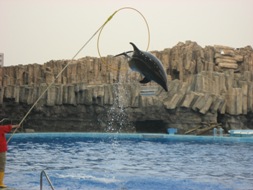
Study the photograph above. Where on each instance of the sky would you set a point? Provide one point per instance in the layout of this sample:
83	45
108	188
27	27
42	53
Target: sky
37	31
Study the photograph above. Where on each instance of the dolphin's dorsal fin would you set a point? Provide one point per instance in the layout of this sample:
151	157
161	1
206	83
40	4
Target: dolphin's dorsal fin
134	46
145	80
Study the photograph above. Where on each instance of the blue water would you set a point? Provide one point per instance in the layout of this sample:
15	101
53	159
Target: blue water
103	162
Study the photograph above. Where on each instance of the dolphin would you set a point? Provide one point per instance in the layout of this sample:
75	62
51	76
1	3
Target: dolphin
148	65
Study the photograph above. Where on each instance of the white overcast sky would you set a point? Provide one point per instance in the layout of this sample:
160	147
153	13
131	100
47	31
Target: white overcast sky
37	31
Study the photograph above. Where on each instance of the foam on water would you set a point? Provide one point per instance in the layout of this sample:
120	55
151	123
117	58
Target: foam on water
88	177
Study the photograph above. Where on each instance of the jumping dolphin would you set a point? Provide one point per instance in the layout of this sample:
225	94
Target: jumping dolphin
146	64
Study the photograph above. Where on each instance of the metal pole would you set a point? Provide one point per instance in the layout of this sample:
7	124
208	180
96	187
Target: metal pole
48	180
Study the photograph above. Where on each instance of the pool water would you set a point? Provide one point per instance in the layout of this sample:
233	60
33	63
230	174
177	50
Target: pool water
81	161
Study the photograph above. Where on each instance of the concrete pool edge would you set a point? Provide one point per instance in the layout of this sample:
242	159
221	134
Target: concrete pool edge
141	136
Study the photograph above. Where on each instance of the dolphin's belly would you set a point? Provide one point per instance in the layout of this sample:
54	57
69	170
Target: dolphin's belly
133	65
146	68
149	69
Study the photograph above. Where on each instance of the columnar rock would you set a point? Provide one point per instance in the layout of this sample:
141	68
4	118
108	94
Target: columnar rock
204	82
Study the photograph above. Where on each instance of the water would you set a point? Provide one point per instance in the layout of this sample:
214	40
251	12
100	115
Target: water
81	161
115	119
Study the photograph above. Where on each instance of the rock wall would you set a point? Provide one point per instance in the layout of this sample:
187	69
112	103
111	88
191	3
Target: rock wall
213	84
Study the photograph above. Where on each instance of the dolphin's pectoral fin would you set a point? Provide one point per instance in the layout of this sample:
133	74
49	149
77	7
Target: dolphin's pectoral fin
145	80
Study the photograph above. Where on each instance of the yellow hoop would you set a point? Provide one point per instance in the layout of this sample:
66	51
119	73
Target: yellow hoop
102	27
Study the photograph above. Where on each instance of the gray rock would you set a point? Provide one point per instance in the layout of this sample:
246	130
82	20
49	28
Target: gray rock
205	85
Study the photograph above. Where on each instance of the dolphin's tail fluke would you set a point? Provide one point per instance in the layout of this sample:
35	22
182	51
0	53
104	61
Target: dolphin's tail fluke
125	54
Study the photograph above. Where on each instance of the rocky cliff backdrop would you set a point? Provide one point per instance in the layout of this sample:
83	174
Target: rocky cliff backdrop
210	85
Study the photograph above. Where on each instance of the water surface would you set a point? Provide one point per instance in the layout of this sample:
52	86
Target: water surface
81	162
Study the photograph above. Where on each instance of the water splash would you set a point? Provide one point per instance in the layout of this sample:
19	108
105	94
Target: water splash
115	118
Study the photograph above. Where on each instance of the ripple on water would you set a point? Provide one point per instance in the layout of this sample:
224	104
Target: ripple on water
129	164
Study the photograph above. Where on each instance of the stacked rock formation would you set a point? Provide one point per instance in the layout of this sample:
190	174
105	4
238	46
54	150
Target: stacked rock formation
212	84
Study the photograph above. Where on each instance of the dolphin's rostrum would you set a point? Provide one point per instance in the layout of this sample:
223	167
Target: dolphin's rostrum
146	64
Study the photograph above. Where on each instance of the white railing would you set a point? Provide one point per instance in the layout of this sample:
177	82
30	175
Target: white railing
48	180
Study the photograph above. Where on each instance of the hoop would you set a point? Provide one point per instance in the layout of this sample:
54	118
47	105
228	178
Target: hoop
101	29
